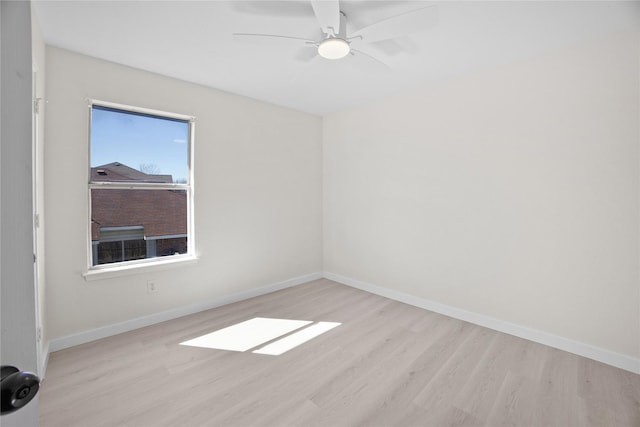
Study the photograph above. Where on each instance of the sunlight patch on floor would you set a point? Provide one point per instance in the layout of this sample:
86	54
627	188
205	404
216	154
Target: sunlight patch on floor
258	331
291	341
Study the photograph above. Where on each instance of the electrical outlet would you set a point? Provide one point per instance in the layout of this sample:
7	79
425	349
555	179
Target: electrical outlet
151	287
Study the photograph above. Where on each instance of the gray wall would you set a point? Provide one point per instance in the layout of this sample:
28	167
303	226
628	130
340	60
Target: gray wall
18	311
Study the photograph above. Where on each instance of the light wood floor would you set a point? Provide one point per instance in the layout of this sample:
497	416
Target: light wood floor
387	364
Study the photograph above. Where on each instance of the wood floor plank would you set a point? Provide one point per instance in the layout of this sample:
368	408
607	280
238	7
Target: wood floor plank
387	364
477	394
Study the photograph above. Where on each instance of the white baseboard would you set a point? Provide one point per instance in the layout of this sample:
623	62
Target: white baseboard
140	322
586	350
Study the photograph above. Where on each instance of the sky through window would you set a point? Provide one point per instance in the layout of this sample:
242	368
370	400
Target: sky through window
156	144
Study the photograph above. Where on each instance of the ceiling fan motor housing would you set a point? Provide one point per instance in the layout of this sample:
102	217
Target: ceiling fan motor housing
336	46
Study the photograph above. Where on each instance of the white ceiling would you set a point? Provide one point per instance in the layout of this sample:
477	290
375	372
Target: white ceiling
193	41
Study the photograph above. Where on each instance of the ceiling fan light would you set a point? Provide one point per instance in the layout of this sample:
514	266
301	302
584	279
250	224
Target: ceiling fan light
333	48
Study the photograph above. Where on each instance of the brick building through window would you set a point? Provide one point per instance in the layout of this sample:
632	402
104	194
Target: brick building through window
129	224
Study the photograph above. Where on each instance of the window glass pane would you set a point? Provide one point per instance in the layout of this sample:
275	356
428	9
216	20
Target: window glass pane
129	146
121	250
176	245
109	252
134	249
128	224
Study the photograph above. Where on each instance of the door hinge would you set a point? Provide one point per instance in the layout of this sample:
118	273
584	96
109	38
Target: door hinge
34	258
36	220
36	105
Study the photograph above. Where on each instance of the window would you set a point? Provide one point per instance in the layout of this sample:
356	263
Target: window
140	185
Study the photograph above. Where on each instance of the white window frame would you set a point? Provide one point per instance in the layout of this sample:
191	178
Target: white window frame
125	267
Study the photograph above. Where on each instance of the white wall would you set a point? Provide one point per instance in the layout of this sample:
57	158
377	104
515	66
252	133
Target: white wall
512	193
258	202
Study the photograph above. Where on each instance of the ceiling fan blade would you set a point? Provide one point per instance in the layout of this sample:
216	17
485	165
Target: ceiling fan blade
399	25
328	15
274	38
360	53
305	54
307	71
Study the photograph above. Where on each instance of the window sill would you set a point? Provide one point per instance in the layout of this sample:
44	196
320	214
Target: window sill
130	269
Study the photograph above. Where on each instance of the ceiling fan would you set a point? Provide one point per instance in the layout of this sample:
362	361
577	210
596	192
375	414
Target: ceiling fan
335	43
